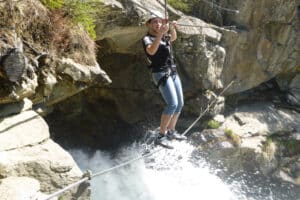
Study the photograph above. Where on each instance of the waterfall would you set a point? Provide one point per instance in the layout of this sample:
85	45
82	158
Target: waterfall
173	174
169	174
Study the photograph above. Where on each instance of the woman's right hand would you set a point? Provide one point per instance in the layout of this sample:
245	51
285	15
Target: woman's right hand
163	29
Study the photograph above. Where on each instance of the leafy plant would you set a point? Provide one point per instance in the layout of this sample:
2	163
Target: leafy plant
213	124
236	140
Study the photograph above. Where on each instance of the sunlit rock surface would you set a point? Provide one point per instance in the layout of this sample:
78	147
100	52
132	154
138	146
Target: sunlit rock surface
26	150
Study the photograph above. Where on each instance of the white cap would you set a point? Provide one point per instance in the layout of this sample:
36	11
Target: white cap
155	14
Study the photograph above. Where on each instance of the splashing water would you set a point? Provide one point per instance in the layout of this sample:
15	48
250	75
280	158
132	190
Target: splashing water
168	174
165	175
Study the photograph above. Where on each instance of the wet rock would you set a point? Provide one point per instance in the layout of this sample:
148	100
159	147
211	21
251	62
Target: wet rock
294	91
225	145
207	100
208	137
296	136
219	118
261	119
260	147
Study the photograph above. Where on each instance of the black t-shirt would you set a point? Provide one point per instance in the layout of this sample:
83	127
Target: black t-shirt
160	59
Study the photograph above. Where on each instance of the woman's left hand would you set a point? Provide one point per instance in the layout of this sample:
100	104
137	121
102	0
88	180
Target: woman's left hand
173	25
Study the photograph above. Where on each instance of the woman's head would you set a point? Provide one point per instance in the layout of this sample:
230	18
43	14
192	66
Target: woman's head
155	21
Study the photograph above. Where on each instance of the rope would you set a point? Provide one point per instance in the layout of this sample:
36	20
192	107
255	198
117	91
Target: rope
207	108
214	4
55	194
88	175
224	28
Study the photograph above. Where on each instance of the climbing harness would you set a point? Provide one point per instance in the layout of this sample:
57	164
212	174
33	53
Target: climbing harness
170	65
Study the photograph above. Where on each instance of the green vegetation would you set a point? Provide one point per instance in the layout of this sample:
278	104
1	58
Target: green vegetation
298	69
236	140
53	4
81	12
213	124
267	146
182	5
268	141
292	146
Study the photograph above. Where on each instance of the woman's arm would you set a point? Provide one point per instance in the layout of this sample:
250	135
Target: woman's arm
152	48
173	32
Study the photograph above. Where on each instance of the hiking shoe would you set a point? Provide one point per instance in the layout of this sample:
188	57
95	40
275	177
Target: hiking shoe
162	140
173	134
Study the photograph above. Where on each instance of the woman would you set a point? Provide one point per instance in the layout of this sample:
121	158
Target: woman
157	48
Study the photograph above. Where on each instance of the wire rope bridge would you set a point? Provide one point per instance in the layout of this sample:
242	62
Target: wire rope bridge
88	175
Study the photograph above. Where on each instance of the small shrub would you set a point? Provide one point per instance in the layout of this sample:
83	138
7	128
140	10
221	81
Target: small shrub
269	141
267	144
293	147
213	124
81	12
236	140
53	4
180	5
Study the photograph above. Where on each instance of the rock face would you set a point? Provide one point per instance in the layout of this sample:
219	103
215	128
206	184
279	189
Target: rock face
27	151
37	67
200	61
294	91
267	44
255	137
264	45
20	188
12	135
199	54
261	119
